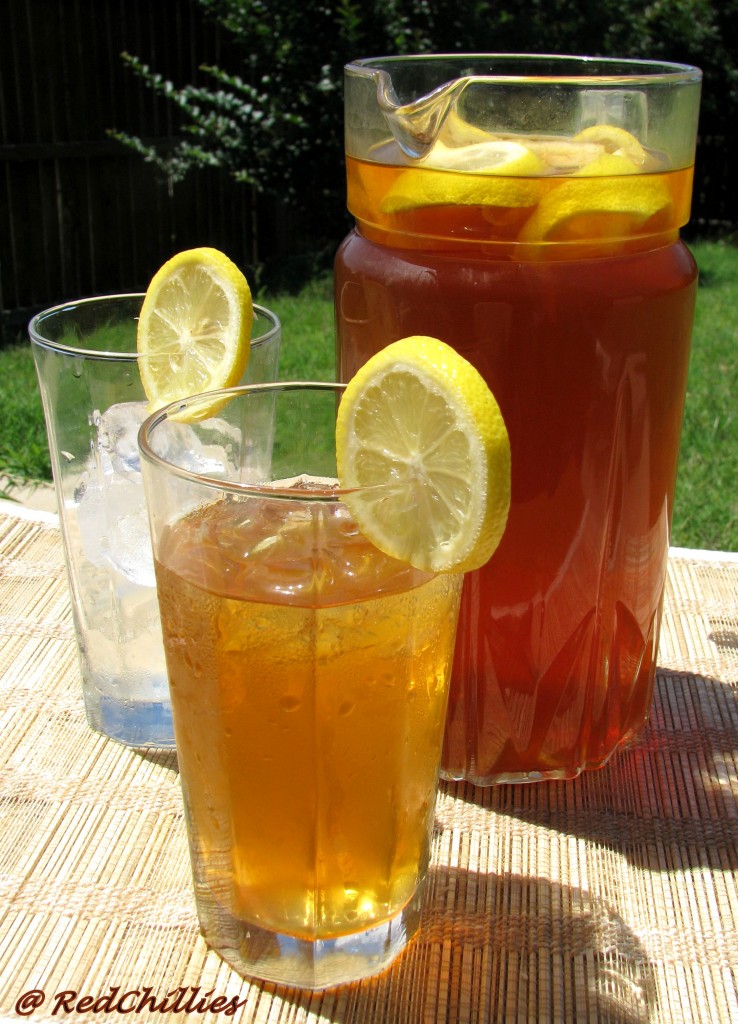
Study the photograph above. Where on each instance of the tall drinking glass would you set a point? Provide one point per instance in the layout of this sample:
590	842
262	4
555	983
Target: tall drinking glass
309	679
526	210
94	404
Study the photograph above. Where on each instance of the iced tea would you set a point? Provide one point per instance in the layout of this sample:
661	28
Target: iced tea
309	680
576	307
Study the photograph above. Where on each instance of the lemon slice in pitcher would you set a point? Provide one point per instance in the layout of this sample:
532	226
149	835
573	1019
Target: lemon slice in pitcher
194	330
614	140
606	196
498	172
422	435
597	203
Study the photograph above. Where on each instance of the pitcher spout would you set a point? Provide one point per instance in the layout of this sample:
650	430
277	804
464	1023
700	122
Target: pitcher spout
415	126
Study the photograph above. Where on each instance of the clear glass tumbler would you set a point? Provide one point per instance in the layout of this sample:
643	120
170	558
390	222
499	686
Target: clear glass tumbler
309	678
94	404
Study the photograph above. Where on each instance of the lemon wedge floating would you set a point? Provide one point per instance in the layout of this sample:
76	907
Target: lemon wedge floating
607	196
194	330
498	172
614	140
598	202
423	436
495	156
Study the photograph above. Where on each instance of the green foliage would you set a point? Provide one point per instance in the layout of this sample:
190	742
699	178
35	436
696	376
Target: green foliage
701	32
277	124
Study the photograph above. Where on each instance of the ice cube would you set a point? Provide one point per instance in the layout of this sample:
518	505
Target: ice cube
113	526
111	506
89	505
117	435
117	438
111	503
182	446
128	538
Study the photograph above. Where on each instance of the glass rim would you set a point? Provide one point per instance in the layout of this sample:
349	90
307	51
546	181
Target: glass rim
633	70
38	337
326	493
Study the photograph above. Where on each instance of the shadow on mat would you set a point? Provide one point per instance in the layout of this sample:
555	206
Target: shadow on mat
666	799
494	948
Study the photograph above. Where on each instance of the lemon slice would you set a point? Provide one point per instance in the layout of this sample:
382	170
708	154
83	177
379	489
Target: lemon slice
194	330
494	173
457	131
562	155
495	156
607	165
423	436
598	204
614	140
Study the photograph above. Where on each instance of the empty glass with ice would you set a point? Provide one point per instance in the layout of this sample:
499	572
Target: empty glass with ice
94	403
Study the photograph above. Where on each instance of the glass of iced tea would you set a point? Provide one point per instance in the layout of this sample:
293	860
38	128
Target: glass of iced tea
308	675
526	210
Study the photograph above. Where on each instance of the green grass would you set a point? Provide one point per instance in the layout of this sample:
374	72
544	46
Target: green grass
706	507
24	453
706	501
308	351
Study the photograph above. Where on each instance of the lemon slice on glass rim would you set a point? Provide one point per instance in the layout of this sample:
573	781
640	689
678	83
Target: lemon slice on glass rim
194	329
421	437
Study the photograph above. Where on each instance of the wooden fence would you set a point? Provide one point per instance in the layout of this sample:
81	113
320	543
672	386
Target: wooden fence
79	213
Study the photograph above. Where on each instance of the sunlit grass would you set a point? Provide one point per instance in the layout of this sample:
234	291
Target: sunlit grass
706	504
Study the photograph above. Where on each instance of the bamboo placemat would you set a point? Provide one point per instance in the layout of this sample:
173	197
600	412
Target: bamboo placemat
610	898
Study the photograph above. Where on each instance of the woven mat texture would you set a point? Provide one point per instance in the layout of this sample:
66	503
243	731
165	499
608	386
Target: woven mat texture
613	897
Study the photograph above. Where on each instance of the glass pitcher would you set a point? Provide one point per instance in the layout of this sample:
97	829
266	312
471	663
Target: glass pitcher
526	210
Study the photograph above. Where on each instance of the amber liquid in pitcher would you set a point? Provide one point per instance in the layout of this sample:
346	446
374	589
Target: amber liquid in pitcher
585	344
